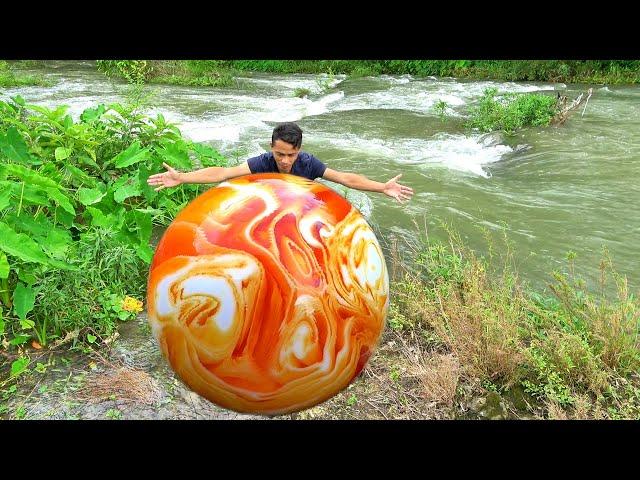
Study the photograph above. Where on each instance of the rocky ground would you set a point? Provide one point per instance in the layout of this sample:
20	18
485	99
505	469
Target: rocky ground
131	380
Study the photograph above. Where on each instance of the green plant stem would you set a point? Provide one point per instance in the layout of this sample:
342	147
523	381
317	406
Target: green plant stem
4	293
21	196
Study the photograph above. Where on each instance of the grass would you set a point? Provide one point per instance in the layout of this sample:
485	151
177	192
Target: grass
466	338
301	92
30	64
201	73
573	350
109	271
568	71
9	77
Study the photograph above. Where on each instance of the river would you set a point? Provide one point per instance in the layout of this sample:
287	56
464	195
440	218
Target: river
552	190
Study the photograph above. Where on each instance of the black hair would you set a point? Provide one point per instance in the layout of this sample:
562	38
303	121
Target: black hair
287	132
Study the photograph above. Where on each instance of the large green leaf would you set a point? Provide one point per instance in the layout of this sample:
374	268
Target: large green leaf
61	199
91	114
145	252
175	154
20	245
98	219
89	196
51	171
127	237
143	224
131	155
14	147
53	241
130	189
57	242
63	217
5	194
111	221
19	100
63	153
120	182
4	266
36	227
169	205
34	181
29	194
18	340
63	265
152	211
208	156
23	247
88	161
143	174
80	177
27	276
28	175
24	299
55	116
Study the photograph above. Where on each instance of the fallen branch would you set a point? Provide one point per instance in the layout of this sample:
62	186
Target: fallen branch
566	110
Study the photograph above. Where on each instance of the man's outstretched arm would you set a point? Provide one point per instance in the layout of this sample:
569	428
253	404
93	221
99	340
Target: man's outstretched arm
173	178
352	180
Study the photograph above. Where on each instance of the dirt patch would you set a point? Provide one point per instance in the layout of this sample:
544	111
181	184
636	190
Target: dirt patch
131	380
127	384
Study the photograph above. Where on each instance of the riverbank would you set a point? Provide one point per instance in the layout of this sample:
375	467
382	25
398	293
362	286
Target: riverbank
222	72
75	186
465	338
12	76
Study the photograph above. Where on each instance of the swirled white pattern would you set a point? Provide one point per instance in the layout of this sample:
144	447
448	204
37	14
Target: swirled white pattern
268	294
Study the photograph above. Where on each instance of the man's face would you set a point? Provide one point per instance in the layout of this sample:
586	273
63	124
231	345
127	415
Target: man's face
285	155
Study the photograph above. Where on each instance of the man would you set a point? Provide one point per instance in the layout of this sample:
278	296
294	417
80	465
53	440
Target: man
285	157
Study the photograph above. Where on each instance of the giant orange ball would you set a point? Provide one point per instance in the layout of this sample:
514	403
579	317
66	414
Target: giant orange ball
268	293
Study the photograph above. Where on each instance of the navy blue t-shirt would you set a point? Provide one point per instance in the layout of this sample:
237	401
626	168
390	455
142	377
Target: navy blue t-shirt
306	165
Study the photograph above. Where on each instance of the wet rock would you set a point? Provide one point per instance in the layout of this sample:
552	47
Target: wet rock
491	139
489	407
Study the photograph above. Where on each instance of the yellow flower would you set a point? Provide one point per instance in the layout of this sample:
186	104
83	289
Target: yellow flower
131	305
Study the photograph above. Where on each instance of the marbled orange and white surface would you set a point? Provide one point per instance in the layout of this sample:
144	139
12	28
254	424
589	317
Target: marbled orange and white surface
268	293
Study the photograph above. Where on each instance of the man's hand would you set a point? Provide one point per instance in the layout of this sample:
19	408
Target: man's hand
397	191
170	178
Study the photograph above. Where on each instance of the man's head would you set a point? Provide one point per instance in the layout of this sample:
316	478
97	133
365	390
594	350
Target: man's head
286	141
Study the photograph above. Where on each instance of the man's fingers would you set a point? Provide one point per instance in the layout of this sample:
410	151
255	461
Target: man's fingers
401	197
159	188
168	167
396	178
157	178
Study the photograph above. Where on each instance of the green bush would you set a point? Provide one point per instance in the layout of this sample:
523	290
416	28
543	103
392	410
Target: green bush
77	215
511	112
134	71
